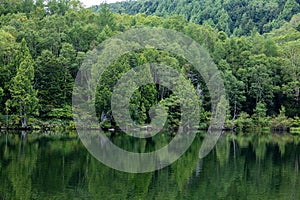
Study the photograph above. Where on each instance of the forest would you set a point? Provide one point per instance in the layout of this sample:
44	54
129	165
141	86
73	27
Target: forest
255	45
237	17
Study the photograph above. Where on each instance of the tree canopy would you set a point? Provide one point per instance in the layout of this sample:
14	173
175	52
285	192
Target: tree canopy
43	46
237	17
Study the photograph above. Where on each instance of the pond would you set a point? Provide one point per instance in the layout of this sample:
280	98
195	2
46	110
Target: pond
243	166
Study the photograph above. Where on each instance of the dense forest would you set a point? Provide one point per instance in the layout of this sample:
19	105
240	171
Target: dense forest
256	46
238	17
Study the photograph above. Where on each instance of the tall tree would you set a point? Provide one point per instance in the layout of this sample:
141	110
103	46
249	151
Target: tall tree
23	95
291	72
105	17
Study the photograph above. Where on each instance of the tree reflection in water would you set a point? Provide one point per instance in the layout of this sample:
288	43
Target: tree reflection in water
35	166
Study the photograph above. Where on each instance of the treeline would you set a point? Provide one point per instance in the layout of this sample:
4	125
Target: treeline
238	17
42	50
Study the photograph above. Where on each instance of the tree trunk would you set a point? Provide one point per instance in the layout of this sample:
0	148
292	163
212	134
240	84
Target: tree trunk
23	116
24	123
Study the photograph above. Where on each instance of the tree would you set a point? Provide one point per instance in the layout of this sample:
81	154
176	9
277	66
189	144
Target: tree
291	7
223	21
27	6
260	115
55	89
8	48
291	71
23	96
235	92
60	7
67	58
281	122
240	17
105	17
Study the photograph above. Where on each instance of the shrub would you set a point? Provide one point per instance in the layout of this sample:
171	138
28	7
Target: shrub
281	122
243	121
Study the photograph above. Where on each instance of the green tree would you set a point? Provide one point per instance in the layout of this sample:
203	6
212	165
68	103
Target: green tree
55	89
223	21
260	115
67	59
291	73
105	17
235	92
291	7
23	96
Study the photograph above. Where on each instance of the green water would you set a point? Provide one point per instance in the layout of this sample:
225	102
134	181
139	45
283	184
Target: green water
41	166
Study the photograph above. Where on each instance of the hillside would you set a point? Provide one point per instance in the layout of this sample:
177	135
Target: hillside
238	17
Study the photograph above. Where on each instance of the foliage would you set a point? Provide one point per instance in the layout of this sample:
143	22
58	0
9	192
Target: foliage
238	17
24	98
281	122
260	115
244	121
260	71
61	113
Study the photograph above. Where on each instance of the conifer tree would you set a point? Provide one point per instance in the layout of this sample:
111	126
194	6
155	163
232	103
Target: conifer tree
23	96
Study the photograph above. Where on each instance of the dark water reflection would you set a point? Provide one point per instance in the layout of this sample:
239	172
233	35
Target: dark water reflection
41	166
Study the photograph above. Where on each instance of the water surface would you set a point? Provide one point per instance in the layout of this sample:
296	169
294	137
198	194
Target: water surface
245	166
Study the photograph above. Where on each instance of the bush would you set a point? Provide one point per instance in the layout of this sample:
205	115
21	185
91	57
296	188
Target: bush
260	116
281	122
243	121
62	113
